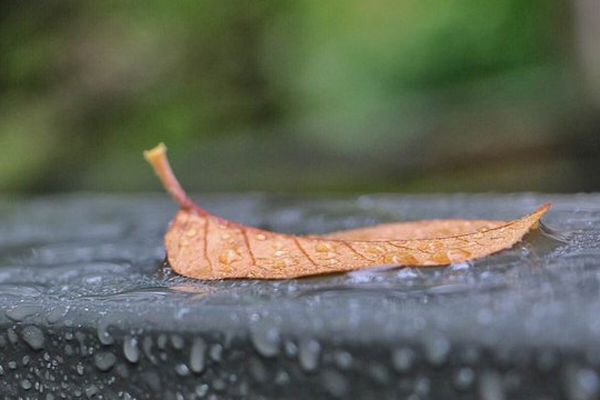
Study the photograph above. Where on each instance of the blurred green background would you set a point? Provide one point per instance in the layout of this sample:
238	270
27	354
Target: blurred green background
301	96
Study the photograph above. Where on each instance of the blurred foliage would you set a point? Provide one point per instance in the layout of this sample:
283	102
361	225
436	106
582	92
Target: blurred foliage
307	95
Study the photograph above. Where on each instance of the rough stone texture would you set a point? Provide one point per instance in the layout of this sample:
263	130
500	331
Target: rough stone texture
89	310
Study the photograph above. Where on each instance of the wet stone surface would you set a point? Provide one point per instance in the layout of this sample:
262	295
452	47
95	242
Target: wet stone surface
90	310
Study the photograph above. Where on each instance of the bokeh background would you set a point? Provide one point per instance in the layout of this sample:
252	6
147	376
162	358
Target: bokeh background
301	96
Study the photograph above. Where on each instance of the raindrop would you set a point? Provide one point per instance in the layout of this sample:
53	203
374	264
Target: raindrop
334	383
290	348
308	354
91	391
103	334
162	341
464	378
422	386
26	384
282	378
407	273
201	390
182	370
219	385
80	369
20	312
436	349
581	383
460	266
379	373
266	341
147	347
34	337
258	370
198	355
343	359
402	359
177	342
122	370
56	314
12	336
105	360
216	352
490	386
12	364
131	349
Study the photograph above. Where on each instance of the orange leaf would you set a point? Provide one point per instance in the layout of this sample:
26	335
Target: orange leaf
203	246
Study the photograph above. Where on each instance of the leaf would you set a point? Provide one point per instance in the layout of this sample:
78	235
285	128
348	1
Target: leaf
203	246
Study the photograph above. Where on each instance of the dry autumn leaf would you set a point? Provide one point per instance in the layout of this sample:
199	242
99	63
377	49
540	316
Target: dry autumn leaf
203	246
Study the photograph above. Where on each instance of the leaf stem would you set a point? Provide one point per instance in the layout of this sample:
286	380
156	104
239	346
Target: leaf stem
157	157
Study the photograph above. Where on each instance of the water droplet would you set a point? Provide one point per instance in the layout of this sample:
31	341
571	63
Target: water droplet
219	385
201	390
56	314
464	378
216	352
436	349
282	378
12	336
177	342
104	360
103	334
20	312
323	247
343	359
33	336
581	383
334	383
308	354
229	256
182	370
266	341
290	348
131	349
91	391
162	341
260	236
191	232
490	386
258	370
80	369
379	373
147	347
198	356
402	359
422	386
460	266
26	384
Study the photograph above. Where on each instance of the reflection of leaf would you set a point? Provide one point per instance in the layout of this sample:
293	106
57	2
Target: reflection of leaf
204	246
